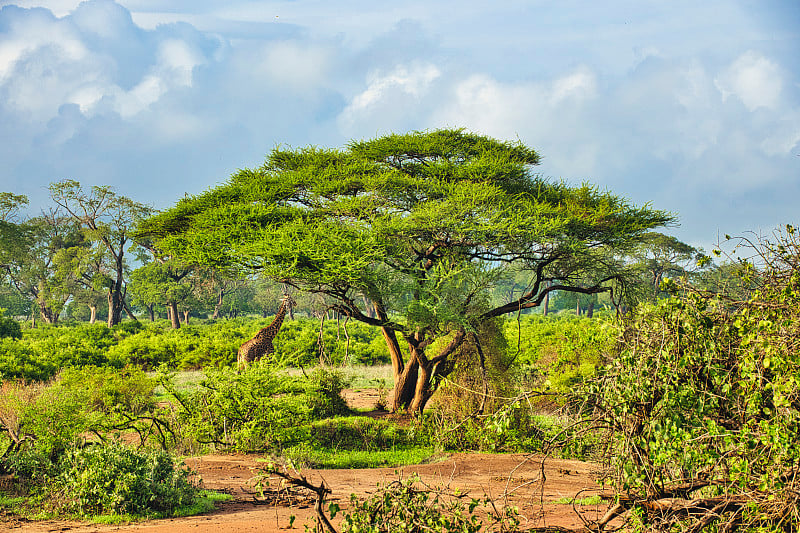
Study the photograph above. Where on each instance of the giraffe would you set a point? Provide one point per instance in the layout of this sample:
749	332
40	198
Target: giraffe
261	344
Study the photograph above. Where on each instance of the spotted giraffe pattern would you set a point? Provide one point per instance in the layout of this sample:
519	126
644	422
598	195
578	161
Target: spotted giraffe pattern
261	344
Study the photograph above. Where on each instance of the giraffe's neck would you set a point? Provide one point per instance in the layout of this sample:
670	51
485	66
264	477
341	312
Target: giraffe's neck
279	316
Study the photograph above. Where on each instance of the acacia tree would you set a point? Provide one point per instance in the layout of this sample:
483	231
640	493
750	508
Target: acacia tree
108	220
662	257
409	233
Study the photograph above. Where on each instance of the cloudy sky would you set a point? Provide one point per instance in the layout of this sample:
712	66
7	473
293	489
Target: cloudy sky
691	106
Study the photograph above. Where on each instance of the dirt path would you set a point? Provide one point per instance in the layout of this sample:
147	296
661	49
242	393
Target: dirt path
518	479
479	474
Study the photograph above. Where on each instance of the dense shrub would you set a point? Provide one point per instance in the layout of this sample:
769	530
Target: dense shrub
46	349
355	343
257	409
59	445
81	404
101	479
704	401
559	352
21	361
114	479
9	327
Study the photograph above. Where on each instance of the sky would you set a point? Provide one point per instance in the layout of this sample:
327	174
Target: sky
692	107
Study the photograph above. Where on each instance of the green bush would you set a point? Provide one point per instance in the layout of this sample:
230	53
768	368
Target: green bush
704	402
45	350
21	361
114	479
558	352
9	328
88	403
257	409
297	344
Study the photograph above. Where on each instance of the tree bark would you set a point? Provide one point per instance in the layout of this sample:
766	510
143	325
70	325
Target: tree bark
218	305
173	315
116	301
92	314
47	313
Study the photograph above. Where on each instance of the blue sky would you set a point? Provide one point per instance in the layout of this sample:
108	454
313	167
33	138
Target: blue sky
691	106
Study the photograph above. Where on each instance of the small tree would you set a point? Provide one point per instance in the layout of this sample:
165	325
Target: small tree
410	233
661	257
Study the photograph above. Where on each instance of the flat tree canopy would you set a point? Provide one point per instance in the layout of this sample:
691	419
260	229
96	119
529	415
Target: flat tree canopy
410	233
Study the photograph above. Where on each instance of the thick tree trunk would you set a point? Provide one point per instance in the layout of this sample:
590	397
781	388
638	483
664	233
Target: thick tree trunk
151	312
546	305
590	310
47	313
173	315
405	385
114	306
415	385
422	389
92	314
116	300
186	317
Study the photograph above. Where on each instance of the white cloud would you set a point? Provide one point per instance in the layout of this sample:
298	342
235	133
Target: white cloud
177	60
659	103
579	85
754	79
390	99
413	80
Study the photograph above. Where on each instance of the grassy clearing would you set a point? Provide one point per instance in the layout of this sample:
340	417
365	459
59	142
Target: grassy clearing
205	502
305	457
357	377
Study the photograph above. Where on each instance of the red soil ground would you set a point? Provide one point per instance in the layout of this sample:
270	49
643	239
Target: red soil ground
520	480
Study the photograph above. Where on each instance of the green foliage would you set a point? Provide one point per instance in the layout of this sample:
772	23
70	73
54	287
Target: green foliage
706	392
257	410
335	458
46	349
298	343
9	328
357	442
61	450
410	233
412	507
102	479
557	353
90	403
114	479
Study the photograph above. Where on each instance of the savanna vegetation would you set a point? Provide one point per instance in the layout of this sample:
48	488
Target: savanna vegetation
504	312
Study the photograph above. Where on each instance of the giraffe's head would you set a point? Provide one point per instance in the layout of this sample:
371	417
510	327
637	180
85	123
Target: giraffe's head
288	301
